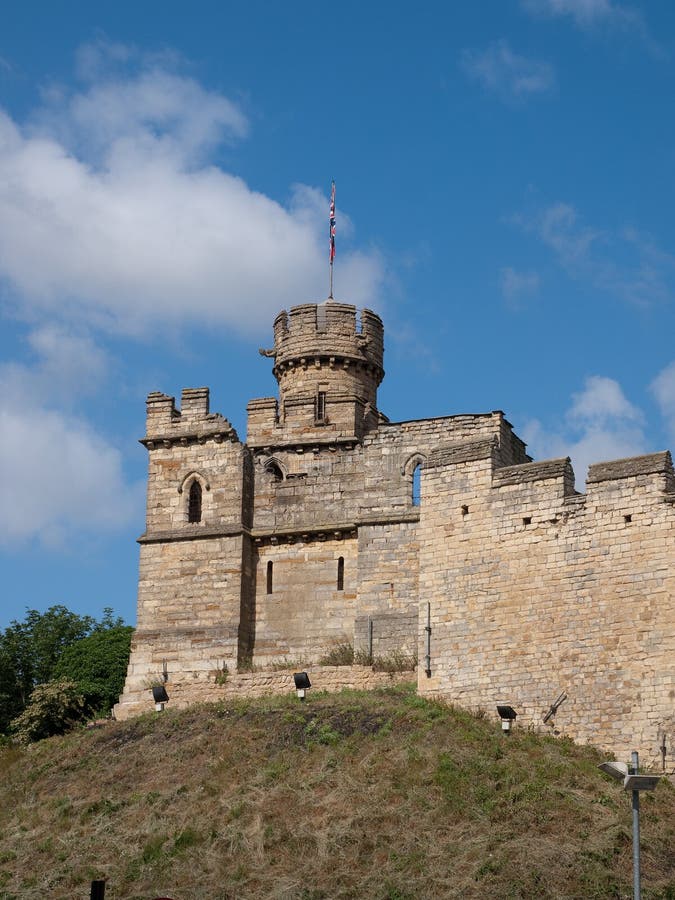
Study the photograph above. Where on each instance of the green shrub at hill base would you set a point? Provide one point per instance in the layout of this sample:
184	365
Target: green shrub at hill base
54	708
98	665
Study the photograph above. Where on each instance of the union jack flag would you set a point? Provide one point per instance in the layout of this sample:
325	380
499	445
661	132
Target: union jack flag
332	223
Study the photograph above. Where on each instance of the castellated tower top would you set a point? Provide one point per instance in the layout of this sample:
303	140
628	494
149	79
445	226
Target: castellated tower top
329	329
328	364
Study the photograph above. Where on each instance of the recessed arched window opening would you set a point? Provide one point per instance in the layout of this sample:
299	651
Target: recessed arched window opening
273	469
270	577
195	502
341	573
411	470
417	485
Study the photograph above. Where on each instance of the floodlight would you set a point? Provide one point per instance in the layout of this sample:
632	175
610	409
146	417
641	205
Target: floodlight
97	889
160	696
302	682
617	770
641	782
508	715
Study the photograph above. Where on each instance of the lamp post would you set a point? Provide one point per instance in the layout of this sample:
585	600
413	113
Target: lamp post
634	783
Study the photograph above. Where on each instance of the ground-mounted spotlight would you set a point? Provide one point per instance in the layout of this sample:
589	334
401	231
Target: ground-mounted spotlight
508	715
160	696
302	683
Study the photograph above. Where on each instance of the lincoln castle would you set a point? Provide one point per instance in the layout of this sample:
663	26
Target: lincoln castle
436	540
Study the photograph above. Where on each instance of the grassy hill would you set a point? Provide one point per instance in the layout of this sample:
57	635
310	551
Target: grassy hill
378	795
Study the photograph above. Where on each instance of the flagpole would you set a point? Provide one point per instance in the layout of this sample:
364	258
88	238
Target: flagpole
331	236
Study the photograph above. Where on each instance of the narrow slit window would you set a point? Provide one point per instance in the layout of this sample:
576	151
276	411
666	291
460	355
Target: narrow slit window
341	574
321	406
270	577
527	520
195	502
417	485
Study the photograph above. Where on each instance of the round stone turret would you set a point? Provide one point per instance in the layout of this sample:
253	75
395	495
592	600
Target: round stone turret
328	362
323	352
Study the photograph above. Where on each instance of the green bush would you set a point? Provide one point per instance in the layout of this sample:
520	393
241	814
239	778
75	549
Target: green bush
54	708
338	655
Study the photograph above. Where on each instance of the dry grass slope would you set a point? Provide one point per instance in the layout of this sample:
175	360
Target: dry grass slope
382	795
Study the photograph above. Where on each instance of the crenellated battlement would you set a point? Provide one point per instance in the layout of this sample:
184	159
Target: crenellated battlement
608	483
328	330
166	424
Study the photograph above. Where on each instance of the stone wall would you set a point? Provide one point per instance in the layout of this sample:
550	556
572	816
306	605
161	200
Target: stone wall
535	590
210	687
304	614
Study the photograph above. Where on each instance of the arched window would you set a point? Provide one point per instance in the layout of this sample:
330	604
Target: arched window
417	484
270	570
411	471
195	502
273	469
341	574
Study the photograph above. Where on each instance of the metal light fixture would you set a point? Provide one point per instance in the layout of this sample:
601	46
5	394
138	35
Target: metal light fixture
160	696
302	683
508	715
634	783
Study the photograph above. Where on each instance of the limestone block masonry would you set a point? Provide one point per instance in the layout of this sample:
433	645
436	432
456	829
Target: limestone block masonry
438	539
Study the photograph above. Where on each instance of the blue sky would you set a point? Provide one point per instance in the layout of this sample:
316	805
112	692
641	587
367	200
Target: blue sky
505	191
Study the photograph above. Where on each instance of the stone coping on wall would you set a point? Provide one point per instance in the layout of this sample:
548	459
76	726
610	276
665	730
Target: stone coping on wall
650	464
495	413
534	471
188	690
467	451
330	443
219	433
190	532
305	532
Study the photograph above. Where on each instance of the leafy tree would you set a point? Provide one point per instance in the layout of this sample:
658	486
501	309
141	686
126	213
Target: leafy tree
54	708
31	650
98	664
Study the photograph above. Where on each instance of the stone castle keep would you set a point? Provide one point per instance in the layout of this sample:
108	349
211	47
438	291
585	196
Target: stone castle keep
438	538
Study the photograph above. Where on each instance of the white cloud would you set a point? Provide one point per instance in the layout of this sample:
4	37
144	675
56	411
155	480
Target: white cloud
663	389
601	424
57	476
517	286
506	73
585	13
560	229
601	403
69	365
624	263
112	215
